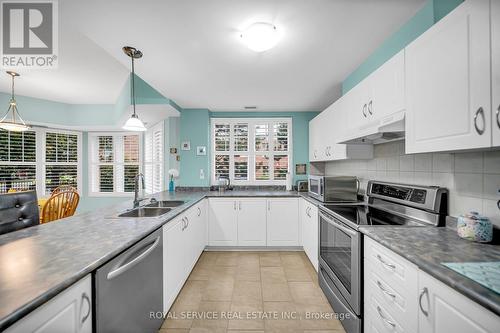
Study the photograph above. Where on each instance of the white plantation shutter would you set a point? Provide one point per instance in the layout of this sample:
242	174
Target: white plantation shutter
153	154
114	161
251	151
61	162
17	161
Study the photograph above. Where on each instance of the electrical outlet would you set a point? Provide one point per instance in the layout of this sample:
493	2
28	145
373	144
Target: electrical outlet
202	174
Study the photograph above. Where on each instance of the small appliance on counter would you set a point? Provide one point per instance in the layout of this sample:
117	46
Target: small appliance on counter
475	227
302	186
334	188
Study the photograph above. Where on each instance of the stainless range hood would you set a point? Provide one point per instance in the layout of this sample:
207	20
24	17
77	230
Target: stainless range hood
390	128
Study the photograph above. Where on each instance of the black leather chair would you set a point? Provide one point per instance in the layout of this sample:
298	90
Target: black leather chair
18	210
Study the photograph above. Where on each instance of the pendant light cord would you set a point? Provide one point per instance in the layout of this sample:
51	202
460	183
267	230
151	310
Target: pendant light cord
132	88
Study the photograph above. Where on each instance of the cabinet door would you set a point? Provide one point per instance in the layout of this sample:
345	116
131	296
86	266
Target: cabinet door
283	222
192	237
442	309
316	136
174	260
252	222
68	312
222	222
202	219
495	61
448	83
356	105
387	85
313	235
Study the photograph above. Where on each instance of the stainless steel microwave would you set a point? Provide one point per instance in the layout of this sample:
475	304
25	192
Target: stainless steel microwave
334	188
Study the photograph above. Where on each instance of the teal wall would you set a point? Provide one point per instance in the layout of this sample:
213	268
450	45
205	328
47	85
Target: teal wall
195	127
432	11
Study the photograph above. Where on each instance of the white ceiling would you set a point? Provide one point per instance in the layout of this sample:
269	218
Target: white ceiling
192	53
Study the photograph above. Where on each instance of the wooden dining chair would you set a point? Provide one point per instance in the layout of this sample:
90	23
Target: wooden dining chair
59	206
63	188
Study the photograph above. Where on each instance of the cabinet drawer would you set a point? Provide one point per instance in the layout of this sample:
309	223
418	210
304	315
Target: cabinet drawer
379	320
399	302
394	269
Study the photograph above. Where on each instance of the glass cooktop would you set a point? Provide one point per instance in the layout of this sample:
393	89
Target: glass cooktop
368	215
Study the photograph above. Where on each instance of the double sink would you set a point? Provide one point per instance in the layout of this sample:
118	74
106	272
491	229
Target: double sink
153	209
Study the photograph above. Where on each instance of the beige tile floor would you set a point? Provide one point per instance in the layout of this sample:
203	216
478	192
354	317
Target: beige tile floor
251	292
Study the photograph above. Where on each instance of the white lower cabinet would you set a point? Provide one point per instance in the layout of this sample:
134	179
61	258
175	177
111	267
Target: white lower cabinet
222	222
443	309
309	230
184	240
68	312
398	297
283	222
252	222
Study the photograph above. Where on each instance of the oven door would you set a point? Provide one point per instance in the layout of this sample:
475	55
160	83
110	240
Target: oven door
340	257
316	187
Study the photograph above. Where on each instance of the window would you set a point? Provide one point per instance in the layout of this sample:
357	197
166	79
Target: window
251	151
61	160
114	162
39	159
17	161
153	158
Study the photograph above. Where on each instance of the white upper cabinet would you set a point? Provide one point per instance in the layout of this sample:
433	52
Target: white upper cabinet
495	61
379	95
448	83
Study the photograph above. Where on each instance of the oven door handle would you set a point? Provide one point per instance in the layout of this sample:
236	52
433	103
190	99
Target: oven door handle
337	224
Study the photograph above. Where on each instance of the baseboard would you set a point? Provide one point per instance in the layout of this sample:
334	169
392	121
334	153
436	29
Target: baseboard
254	248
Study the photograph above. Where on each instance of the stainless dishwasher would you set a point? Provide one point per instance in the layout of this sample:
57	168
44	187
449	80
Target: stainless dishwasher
130	287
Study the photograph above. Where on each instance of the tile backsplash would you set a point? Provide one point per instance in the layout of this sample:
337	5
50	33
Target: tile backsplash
473	179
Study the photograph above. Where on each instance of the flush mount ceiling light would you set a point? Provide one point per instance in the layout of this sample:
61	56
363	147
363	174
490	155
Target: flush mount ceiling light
133	123
260	36
12	120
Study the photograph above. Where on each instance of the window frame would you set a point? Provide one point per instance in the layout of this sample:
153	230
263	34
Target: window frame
41	188
251	152
40	158
154	163
90	160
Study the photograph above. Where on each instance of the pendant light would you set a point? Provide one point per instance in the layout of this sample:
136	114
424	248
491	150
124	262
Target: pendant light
133	123
13	123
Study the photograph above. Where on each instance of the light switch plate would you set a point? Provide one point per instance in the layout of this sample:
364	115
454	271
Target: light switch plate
202	174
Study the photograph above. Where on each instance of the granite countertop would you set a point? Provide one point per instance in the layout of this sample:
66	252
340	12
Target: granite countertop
39	262
428	247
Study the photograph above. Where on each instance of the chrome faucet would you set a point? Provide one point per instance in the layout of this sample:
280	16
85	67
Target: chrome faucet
137	200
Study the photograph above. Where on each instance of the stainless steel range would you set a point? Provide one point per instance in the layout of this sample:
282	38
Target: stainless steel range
340	245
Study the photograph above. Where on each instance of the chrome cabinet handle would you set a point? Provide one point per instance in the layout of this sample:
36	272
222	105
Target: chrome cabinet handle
85	298
385	263
385	291
370	107
199	211
268	205
384	318
479	111
424	291
364	110
187	222
239	205
234	205
183	224
133	262
315	155
498	116
308	210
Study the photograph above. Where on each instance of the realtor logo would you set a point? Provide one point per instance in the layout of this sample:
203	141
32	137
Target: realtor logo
29	34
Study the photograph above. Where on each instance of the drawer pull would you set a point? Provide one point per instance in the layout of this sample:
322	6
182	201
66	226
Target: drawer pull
424	291
385	291
386	264
379	310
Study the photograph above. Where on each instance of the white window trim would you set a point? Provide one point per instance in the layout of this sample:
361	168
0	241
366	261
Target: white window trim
40	144
251	152
90	137
159	125
41	166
